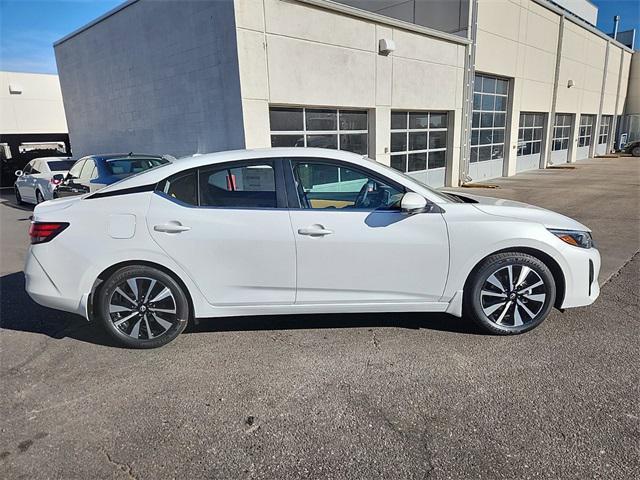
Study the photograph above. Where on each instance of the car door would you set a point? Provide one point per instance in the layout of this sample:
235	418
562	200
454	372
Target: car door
355	245
23	183
227	226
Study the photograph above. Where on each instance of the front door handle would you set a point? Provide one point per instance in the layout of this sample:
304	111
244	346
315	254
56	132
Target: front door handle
315	231
171	227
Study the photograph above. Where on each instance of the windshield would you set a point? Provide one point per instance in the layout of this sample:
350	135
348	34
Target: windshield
442	195
124	167
60	165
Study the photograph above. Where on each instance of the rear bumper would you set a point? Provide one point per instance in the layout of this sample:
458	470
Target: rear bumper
581	278
42	289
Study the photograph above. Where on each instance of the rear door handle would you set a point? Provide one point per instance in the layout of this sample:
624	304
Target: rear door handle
171	228
315	231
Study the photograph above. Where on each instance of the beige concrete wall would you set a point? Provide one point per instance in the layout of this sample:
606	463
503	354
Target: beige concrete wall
38	109
295	54
631	84
519	39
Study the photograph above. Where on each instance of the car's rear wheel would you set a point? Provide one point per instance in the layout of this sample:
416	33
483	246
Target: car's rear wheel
19	200
142	307
510	293
39	197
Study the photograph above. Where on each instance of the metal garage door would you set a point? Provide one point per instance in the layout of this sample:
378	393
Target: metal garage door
561	138
490	100
530	133
603	137
419	145
585	136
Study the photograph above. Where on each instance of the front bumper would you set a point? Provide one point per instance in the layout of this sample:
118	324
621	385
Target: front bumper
581	276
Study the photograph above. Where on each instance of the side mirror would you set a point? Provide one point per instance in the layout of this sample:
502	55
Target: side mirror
412	203
19	173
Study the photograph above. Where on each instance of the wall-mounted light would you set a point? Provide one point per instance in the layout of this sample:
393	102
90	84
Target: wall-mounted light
571	83
15	89
386	46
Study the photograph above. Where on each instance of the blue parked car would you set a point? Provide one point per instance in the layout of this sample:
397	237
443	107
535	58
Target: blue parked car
96	171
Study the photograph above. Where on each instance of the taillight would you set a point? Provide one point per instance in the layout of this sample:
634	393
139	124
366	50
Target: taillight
55	181
41	232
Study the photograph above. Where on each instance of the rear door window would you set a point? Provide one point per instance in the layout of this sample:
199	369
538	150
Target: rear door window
60	165
87	170
182	186
238	186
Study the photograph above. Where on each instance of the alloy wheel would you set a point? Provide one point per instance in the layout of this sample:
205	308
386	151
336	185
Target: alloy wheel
143	308
513	296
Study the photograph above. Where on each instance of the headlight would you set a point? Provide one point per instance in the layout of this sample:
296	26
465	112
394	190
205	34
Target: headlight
572	237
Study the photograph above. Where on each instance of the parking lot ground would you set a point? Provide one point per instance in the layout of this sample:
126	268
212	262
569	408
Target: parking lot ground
394	396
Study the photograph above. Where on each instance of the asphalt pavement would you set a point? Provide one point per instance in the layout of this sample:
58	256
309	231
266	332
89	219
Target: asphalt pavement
367	396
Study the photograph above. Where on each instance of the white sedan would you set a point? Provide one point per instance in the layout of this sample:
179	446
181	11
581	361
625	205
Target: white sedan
39	178
295	230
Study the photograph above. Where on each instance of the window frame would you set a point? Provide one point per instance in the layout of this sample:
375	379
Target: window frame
292	192
605	129
281	195
408	130
560	128
522	128
589	127
304	133
478	90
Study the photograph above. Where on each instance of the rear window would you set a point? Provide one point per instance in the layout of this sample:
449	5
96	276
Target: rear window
60	165
123	167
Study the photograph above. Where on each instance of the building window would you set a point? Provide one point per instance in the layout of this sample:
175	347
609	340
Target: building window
561	132
586	130
418	140
490	100
605	127
530	133
320	127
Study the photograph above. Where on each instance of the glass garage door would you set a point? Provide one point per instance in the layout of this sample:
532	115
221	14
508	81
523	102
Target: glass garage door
561	138
490	100
603	136
319	127
585	136
530	133
419	145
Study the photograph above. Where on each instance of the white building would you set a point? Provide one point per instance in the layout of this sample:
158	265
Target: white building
32	120
448	90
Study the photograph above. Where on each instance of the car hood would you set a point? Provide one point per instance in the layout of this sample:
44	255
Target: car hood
520	211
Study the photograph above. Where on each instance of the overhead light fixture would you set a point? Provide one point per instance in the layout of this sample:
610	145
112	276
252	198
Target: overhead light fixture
386	46
15	89
570	84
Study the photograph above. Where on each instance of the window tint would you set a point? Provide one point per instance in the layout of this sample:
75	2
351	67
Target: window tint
328	186
123	167
243	186
87	169
181	186
76	169
27	169
60	165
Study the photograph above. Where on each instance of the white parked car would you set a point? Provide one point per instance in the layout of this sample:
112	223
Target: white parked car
295	230
39	178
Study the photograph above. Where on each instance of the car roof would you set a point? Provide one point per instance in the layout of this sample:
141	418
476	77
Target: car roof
155	175
109	156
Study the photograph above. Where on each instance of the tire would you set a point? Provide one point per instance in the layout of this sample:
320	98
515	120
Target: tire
635	151
39	197
509	311
151	299
19	200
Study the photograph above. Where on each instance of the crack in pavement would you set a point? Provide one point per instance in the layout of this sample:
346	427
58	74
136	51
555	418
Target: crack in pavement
124	467
617	272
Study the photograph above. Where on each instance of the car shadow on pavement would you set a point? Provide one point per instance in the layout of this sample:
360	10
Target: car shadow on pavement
18	312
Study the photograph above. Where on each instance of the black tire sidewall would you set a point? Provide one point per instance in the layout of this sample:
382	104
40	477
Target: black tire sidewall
635	151
492	264
108	287
39	197
18	196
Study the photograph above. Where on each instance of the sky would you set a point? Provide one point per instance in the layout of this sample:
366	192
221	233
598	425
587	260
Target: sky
28	28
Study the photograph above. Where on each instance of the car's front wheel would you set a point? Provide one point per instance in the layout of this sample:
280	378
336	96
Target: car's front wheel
635	151
39	197
142	307
510	293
